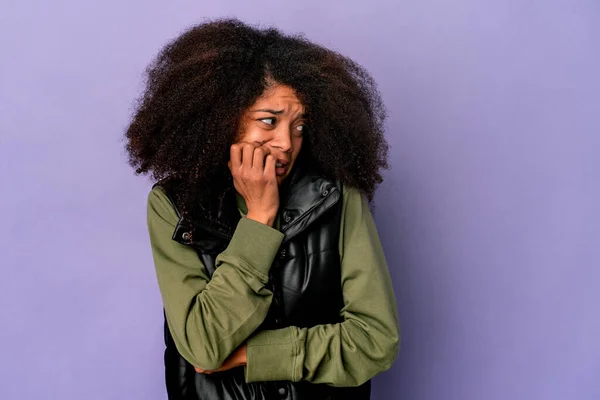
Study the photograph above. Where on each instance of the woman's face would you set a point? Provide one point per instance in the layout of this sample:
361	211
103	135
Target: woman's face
276	121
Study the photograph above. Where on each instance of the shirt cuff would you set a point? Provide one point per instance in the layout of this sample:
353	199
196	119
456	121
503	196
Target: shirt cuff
256	245
274	355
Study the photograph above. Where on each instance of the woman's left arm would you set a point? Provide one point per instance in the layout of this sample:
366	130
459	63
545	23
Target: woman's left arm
353	351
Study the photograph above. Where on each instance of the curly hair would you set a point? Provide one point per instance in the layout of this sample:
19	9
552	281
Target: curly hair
199	85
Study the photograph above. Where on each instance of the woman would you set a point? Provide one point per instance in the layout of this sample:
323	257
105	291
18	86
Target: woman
266	149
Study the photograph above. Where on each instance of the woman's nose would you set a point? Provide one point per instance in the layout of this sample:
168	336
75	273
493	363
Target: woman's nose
283	140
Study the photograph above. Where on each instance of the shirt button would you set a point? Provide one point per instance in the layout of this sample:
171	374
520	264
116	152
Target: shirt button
325	193
282	391
286	217
277	321
186	236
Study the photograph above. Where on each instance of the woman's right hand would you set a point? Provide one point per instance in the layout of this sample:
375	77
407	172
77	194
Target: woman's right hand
253	170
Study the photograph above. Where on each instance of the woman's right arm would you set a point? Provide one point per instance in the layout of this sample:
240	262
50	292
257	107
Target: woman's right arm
210	319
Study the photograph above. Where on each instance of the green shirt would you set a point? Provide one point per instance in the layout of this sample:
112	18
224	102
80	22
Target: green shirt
209	319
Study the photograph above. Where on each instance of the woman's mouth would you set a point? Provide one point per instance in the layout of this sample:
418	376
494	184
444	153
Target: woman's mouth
281	168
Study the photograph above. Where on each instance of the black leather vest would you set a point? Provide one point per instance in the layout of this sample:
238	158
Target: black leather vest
305	280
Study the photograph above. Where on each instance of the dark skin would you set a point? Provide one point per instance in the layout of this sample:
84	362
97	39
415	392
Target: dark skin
271	137
266	150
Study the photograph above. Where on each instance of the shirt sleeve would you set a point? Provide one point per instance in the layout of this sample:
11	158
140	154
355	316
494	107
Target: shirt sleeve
353	351
209	319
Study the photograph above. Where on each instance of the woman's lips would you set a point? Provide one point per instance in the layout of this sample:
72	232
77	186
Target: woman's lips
281	168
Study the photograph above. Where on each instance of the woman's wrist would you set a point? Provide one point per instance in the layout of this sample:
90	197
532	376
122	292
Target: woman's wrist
265	219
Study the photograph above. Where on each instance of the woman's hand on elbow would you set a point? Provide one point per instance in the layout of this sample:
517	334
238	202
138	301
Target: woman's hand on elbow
236	359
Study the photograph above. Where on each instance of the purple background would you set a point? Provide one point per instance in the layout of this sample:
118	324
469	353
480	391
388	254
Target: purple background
489	217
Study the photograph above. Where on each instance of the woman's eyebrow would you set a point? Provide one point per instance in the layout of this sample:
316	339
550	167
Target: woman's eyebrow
275	112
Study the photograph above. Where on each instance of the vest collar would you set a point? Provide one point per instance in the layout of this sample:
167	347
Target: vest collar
309	196
304	199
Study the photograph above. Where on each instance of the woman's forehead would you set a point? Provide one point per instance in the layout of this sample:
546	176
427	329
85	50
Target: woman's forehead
279	97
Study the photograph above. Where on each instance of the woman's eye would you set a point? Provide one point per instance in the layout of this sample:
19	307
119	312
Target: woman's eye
299	130
269	121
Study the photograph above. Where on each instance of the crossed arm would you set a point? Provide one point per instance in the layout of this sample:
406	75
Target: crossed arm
213	322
